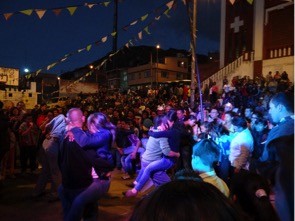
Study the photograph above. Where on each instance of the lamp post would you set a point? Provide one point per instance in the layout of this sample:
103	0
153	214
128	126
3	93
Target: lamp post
58	78
157	47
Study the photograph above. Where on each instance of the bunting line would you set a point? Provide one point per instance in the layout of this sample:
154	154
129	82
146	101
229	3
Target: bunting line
41	12
129	42
102	40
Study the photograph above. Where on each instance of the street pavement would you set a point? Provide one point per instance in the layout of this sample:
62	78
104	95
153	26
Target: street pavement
17	204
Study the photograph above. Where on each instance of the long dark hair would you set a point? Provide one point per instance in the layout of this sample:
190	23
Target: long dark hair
101	121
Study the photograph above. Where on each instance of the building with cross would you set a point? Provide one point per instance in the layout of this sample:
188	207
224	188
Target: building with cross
260	31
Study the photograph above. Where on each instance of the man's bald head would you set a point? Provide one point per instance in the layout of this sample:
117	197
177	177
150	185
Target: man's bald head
76	117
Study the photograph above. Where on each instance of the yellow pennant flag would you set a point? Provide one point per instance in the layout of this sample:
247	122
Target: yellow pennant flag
27	12
72	10
158	18
37	72
166	13
114	34
40	12
250	1
144	17
106	3
130	42
7	15
147	30
88	47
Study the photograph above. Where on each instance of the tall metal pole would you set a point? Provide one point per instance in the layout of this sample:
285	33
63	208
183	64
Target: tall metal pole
115	27
194	70
193	50
151	71
157	46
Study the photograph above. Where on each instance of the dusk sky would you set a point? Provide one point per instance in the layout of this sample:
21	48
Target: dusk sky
33	43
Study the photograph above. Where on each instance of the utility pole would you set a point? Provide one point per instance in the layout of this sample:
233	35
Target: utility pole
115	27
194	70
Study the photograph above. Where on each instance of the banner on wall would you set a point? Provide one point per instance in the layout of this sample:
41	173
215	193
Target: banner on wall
9	76
71	88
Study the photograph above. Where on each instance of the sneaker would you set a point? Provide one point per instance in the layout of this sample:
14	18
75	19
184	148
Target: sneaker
126	177
129	193
131	185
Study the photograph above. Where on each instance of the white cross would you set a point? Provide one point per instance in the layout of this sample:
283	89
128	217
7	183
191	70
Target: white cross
236	24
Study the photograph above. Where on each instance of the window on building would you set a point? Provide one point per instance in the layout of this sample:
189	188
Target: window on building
131	76
164	74
147	74
179	76
182	64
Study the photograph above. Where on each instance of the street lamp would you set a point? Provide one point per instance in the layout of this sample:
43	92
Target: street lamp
157	47
58	78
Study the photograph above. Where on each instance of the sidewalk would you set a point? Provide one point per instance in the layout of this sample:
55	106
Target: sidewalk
17	204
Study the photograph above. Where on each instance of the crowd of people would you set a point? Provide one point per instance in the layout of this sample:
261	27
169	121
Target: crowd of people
229	152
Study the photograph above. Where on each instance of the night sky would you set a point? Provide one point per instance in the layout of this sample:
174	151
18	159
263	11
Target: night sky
33	43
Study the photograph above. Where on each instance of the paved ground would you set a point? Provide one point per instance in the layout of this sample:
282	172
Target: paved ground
16	203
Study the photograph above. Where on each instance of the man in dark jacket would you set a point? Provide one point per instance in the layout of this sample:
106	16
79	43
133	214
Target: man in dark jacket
76	168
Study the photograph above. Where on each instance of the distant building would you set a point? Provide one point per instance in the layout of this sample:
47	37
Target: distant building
172	69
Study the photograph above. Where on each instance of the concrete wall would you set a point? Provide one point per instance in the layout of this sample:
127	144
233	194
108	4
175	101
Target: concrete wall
279	64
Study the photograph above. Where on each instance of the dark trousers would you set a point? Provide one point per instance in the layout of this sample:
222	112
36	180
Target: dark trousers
28	153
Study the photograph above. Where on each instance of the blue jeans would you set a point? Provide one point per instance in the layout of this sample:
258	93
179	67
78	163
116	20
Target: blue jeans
156	170
83	203
126	160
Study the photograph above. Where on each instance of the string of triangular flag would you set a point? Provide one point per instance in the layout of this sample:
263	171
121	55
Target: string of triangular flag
104	39
41	12
112	54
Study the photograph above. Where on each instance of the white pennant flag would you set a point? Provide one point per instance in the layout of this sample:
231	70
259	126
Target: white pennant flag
104	39
232	1
157	18
90	5
170	4
140	35
133	23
